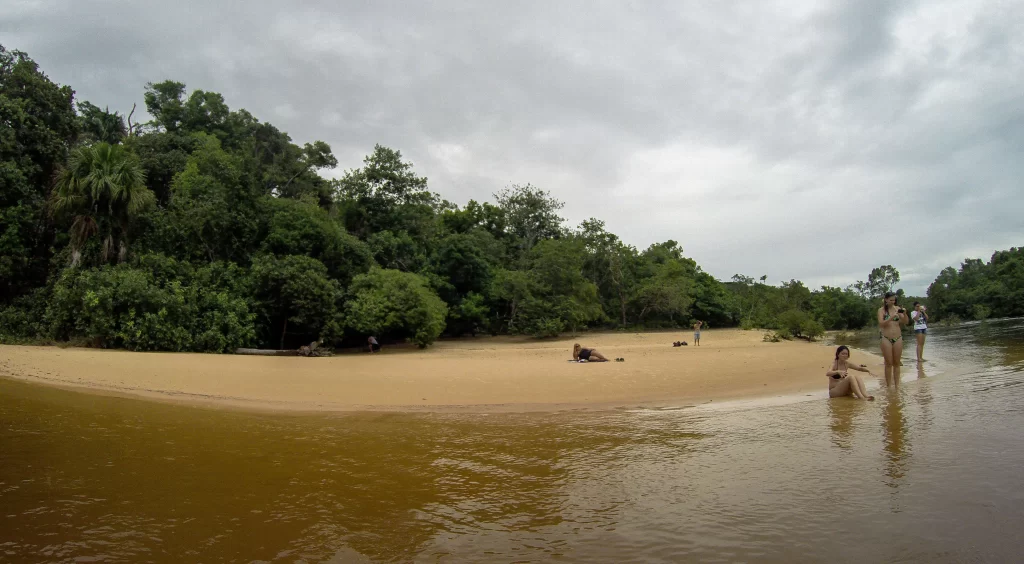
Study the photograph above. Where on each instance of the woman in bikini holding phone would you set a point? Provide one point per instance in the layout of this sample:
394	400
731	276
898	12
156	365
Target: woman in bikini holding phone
841	383
891	318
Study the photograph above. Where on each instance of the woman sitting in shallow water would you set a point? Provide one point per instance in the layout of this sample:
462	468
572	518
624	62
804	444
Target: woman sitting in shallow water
589	355
841	383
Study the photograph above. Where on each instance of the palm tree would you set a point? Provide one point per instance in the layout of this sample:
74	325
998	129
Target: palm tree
100	125
103	189
108	127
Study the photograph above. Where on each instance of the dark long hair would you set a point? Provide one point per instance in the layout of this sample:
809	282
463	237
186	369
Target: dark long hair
886	300
839	350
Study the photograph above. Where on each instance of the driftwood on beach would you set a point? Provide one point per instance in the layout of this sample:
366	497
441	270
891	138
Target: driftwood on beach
312	349
267	352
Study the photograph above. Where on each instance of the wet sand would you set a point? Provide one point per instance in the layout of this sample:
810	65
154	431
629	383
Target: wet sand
479	375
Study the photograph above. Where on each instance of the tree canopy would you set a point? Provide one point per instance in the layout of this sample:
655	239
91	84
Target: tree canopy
207	230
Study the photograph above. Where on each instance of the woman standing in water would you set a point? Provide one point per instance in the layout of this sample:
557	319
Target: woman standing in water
891	318
841	383
920	328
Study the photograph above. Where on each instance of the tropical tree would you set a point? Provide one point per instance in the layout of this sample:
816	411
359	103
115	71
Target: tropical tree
531	214
840	309
385	195
881	280
612	266
396	304
103	190
294	296
100	125
37	126
300	227
667	293
978	290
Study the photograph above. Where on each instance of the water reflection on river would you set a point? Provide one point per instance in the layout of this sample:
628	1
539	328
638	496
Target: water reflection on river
930	472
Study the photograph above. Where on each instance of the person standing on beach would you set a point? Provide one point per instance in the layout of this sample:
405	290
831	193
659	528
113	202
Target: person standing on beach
891	318
920	328
696	332
374	345
841	383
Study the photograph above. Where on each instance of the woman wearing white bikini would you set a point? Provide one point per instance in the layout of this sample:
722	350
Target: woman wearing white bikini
920	319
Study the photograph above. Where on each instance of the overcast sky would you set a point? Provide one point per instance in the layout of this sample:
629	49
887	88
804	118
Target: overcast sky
799	139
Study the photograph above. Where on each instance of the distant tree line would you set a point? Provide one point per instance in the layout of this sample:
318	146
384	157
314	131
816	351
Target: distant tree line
980	290
205	229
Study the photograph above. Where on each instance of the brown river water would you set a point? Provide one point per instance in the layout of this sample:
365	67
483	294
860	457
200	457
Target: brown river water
931	472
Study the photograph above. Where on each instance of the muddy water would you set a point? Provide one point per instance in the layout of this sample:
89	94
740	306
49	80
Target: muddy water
927	473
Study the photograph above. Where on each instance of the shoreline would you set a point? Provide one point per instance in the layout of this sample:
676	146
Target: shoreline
481	375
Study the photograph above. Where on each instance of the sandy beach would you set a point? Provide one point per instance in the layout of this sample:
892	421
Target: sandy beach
480	374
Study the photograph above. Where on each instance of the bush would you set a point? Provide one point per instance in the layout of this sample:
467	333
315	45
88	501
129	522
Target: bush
118	307
397	304
747	324
776	336
811	329
545	327
800	324
792	320
128	307
842	337
467	316
22	321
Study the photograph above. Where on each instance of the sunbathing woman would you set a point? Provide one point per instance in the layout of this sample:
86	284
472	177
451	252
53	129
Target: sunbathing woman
890	336
589	355
841	383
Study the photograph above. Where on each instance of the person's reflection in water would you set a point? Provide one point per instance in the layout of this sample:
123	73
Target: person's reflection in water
923	397
896	446
842	413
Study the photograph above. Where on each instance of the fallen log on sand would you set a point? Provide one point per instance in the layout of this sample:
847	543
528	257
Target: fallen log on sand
267	352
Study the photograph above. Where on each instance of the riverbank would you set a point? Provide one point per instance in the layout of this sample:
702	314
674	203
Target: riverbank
481	374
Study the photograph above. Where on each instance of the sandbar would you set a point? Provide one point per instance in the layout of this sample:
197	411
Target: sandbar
480	374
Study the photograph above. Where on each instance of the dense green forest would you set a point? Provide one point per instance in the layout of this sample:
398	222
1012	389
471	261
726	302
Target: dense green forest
206	229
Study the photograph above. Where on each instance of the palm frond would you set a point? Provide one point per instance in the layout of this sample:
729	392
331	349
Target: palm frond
105	186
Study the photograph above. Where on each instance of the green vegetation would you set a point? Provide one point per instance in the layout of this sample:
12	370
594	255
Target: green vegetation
980	290
207	230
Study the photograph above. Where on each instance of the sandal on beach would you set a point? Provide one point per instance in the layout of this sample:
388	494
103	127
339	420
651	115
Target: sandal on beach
620	360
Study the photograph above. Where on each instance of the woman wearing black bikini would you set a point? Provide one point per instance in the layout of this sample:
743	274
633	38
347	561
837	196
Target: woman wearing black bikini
841	383
589	355
890	335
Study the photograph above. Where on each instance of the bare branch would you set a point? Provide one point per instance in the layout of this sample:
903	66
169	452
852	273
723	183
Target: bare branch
132	128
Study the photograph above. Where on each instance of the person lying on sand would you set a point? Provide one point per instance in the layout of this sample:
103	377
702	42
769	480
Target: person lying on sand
589	355
841	383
